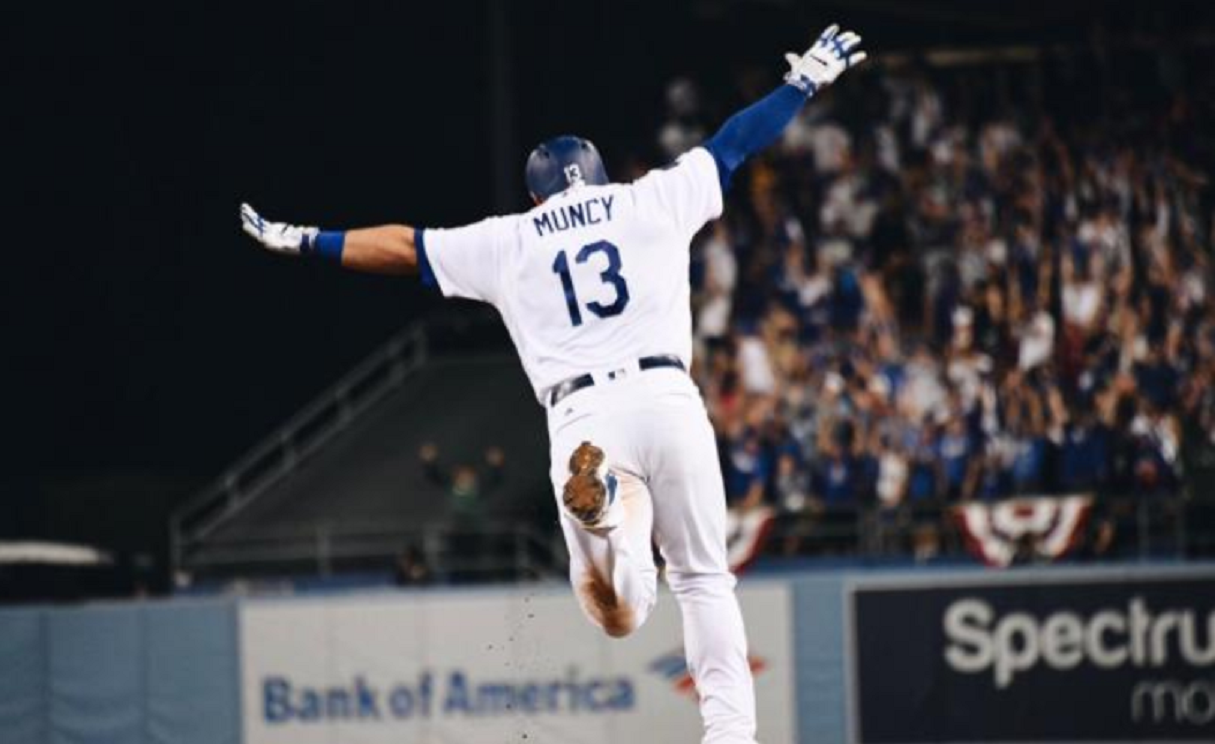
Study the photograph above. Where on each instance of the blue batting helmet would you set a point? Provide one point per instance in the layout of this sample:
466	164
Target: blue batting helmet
559	163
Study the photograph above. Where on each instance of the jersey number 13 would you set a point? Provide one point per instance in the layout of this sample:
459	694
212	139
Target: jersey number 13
610	275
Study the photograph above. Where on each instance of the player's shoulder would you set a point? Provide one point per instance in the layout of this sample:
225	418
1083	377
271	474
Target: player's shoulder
696	157
692	173
694	164
504	227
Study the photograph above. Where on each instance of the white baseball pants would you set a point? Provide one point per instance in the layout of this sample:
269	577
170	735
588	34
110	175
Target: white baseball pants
655	433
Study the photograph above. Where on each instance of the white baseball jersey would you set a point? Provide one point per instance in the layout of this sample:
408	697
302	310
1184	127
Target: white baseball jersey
592	279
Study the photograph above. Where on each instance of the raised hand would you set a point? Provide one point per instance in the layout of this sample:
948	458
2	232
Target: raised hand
830	55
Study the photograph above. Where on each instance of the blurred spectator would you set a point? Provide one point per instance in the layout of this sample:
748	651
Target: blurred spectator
410	568
747	474
682	129
467	486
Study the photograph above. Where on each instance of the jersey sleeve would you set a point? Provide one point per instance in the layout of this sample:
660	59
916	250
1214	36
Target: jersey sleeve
464	261
688	192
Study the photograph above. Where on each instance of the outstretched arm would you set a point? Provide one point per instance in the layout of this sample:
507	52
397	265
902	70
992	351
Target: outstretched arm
387	249
758	125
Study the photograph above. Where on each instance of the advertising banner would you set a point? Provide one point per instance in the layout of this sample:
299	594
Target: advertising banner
488	668
1058	658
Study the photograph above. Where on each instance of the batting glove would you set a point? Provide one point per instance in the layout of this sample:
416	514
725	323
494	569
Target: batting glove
822	64
291	240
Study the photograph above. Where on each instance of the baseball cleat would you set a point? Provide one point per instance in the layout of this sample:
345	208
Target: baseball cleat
591	488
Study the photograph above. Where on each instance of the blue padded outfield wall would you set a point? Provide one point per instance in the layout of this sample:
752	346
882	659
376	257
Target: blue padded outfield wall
1113	654
162	672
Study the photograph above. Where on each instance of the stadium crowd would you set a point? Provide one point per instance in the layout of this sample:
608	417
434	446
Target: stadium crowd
956	284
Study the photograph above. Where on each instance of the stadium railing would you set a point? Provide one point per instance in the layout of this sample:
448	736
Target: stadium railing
441	553
1142	528
282	452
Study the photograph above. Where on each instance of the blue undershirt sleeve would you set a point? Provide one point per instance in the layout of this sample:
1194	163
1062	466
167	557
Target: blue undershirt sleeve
427	273
753	129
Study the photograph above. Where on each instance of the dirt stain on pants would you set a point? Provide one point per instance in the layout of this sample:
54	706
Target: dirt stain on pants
614	616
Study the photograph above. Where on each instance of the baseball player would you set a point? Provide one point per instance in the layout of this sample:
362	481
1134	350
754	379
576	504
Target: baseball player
592	284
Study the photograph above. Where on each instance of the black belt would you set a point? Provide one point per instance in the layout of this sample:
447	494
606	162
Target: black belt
568	387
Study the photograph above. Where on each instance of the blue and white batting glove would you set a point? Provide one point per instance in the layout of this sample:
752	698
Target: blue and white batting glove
825	61
291	240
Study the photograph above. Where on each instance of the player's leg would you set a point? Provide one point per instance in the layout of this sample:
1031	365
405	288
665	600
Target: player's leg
690	527
612	570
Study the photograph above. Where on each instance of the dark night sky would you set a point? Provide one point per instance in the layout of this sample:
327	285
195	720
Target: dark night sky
143	332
